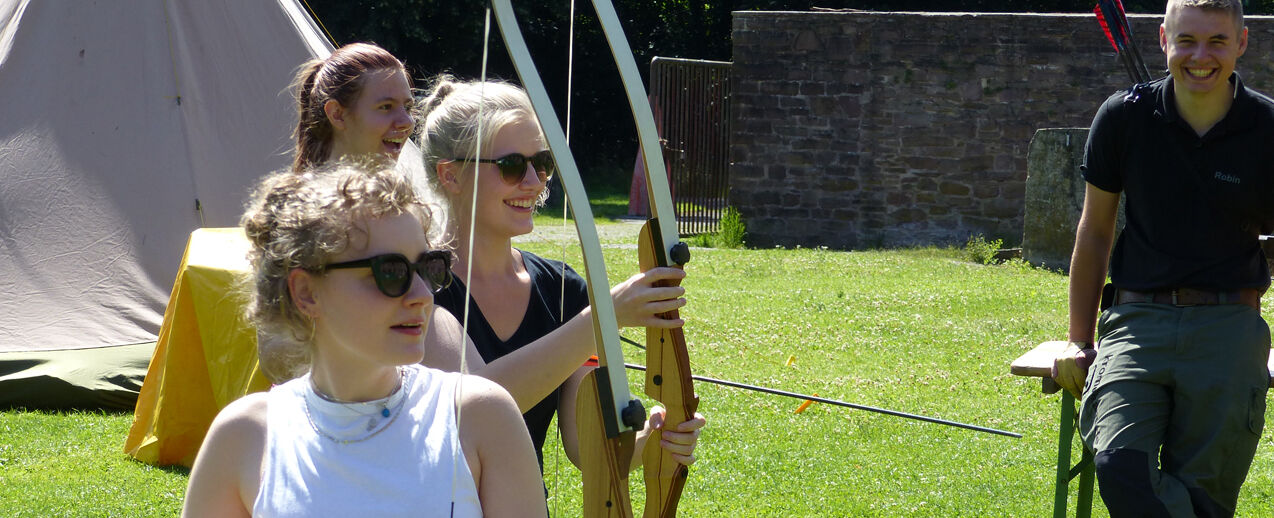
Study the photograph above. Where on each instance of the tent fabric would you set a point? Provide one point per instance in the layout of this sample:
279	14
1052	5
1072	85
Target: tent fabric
206	355
98	378
124	129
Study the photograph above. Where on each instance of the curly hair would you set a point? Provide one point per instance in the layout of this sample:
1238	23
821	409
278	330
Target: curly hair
301	221
454	110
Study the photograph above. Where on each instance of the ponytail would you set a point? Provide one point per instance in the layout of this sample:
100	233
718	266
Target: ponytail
338	78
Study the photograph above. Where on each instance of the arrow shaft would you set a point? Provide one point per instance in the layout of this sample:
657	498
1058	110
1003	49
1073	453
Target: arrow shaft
804	397
1110	14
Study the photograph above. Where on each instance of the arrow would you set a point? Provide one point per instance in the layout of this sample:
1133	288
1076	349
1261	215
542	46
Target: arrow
803	397
1113	21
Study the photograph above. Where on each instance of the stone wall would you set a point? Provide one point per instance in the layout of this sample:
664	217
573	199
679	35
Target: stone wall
861	129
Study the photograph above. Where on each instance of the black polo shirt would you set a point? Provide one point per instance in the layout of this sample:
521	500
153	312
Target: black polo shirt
1195	206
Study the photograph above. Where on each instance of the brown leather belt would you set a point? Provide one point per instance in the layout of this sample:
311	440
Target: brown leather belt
1191	297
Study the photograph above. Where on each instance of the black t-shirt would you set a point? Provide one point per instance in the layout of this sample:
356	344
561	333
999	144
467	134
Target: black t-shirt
543	316
1195	206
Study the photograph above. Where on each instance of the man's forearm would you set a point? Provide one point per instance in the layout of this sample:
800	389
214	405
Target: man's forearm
1093	240
1088	275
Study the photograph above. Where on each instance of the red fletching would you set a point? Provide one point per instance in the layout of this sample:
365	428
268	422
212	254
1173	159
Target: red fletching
1110	17
1104	27
1113	21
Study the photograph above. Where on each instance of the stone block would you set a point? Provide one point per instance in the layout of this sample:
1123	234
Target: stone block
986	190
953	189
838	185
907	215
1054	196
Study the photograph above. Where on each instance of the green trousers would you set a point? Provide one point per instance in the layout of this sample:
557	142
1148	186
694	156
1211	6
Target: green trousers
1185	385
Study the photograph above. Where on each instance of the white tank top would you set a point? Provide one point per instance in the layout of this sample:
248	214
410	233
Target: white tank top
398	456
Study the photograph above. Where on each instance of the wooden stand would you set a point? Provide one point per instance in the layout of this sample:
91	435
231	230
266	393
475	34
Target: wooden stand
1039	363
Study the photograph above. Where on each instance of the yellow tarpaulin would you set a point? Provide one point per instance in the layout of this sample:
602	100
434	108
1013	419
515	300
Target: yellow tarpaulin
206	355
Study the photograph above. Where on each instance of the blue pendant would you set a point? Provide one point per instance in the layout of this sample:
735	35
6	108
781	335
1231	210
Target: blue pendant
384	412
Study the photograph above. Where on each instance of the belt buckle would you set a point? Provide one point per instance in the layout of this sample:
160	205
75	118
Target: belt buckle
1174	297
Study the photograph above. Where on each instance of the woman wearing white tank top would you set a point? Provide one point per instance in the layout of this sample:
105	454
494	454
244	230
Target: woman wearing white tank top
343	270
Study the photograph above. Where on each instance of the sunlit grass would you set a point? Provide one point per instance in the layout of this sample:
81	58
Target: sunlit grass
921	331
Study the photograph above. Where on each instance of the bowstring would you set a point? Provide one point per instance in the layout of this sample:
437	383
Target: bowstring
561	299
570	76
468	273
473	215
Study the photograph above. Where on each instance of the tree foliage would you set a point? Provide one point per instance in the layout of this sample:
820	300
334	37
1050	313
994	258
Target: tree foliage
434	36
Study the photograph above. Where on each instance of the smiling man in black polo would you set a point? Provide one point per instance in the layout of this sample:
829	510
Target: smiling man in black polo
1174	402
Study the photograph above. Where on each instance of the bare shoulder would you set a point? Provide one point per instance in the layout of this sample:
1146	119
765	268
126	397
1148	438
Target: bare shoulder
443	341
245	415
236	439
481	394
446	324
485	406
485	414
493	436
227	470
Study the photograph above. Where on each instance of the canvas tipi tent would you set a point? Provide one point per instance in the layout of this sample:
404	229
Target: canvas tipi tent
124	127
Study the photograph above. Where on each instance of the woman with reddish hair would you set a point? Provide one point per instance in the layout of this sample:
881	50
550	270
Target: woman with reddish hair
355	103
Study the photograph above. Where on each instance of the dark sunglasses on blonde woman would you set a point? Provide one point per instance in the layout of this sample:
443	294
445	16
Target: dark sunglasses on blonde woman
513	166
393	272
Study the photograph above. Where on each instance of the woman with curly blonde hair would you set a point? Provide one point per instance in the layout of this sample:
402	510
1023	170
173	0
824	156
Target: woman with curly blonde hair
342	270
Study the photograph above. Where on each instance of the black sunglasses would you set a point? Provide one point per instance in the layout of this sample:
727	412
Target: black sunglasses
513	166
393	272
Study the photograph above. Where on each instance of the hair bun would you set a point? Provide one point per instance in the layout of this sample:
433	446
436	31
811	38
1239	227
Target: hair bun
440	88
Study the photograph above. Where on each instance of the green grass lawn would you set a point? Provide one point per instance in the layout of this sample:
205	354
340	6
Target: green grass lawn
920	331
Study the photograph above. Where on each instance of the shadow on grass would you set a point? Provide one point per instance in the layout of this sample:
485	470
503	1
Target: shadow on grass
608	199
610	208
173	469
67	410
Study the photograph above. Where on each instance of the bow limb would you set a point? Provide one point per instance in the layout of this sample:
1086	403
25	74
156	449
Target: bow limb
608	415
668	376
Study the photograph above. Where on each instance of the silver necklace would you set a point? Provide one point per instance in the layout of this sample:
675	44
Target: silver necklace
379	419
